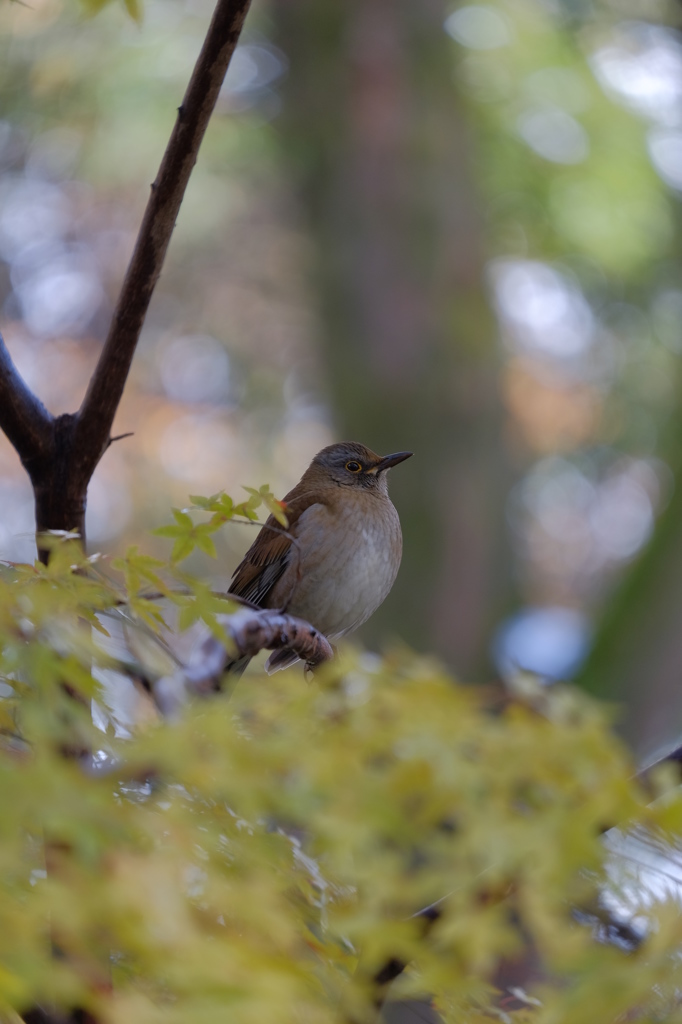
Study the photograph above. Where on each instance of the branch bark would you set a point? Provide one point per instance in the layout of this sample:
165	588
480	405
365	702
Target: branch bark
23	417
251	631
60	454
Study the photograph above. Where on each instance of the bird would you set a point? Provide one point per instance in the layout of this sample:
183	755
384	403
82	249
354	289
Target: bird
338	558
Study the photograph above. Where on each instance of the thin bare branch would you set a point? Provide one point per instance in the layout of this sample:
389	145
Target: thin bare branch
106	387
23	417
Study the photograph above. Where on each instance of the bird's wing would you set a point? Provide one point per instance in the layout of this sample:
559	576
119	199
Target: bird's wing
272	551
262	565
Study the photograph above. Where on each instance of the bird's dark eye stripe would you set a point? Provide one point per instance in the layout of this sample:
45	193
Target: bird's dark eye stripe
353	466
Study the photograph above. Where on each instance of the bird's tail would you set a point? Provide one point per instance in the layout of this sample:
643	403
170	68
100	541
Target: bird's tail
281	659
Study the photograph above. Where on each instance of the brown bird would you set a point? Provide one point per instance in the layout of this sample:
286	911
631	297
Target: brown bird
339	556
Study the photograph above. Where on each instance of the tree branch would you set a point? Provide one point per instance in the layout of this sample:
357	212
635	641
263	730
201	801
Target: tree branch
106	386
252	631
23	417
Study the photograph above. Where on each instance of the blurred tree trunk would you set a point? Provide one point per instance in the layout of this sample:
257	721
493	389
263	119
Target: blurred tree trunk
379	147
636	658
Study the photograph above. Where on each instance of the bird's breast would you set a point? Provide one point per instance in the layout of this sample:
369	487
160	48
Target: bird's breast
348	558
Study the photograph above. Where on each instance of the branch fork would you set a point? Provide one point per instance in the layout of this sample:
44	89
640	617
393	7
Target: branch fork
60	453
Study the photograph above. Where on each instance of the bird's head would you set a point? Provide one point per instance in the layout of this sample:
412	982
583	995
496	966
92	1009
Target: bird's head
352	465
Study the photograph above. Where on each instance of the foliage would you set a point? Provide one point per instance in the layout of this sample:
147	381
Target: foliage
188	535
566	208
265	855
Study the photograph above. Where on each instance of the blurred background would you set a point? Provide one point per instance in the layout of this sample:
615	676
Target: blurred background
448	228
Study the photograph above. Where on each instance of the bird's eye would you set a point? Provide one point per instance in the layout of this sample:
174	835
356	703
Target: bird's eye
353	467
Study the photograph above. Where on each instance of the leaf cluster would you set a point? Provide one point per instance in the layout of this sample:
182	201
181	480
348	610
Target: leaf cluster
188	535
266	854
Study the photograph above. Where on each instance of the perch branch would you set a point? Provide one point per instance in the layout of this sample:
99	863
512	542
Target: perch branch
104	392
251	632
23	417
269	630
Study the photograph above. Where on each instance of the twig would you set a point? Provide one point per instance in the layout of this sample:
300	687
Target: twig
106	386
120	437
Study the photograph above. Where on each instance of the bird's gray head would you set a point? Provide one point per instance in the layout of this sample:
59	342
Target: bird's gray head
352	465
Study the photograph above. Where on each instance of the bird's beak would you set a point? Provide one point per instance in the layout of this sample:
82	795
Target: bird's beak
391	460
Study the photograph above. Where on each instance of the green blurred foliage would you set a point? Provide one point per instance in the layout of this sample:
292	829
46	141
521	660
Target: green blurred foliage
263	856
606	211
600	215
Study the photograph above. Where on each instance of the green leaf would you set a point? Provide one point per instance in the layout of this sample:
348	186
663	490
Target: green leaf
170	531
182	518
134	9
183	547
187	617
277	509
204	542
203	503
